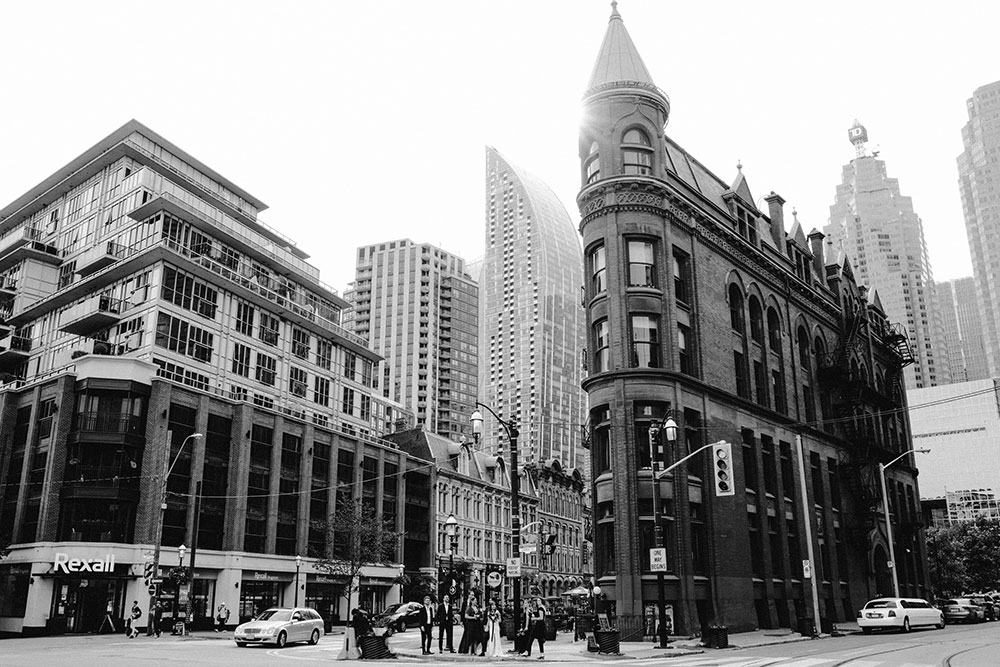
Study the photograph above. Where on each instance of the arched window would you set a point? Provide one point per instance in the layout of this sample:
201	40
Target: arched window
773	330
593	164
802	339
756	320
819	350
736	318
637	153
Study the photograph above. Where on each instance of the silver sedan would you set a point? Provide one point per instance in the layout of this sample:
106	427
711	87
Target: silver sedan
280	626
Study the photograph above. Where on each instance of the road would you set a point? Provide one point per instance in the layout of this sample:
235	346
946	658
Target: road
955	646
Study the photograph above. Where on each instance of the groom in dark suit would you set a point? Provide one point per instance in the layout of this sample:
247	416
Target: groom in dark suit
446	624
426	625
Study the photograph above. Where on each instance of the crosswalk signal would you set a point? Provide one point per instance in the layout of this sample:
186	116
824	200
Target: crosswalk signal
722	468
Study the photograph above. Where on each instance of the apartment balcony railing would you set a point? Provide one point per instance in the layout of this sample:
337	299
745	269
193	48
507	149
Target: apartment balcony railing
107	422
91	315
14	350
98	257
22	241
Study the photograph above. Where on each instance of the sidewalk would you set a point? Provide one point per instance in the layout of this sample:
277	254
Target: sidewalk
564	649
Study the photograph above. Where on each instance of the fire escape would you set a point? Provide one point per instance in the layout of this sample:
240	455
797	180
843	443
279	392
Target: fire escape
864	409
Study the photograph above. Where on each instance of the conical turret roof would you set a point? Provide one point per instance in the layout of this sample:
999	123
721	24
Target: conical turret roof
618	59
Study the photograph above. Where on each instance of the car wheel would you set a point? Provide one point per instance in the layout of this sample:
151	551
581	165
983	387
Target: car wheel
906	624
940	625
314	639
281	640
867	631
401	625
241	644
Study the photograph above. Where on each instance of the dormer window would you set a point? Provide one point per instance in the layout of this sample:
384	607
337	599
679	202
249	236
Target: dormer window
593	165
746	224
637	153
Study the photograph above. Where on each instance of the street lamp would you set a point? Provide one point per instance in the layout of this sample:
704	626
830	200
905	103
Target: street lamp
888	521
298	564
669	427
595	592
181	550
158	534
515	488
451	530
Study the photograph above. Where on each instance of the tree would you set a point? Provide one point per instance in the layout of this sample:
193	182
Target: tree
416	587
980	546
359	538
946	564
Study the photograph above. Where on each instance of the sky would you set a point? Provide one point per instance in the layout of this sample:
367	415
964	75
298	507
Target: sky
365	122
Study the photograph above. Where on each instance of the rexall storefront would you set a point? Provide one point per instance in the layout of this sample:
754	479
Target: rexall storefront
81	587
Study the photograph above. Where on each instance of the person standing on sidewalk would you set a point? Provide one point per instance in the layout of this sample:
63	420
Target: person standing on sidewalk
156	618
536	628
494	646
426	626
221	617
446	624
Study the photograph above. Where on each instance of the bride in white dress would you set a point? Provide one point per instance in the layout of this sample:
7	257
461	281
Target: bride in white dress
494	649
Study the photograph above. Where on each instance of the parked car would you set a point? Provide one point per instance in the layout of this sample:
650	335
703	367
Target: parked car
986	602
962	610
279	626
900	614
398	617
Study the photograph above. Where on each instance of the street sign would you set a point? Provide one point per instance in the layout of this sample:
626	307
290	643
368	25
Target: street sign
151	590
528	548
806	569
513	567
494	579
658	559
158	580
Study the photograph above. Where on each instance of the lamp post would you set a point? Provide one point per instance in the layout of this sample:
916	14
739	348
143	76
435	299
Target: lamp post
158	534
595	592
888	521
669	427
181	550
451	530
298	565
515	489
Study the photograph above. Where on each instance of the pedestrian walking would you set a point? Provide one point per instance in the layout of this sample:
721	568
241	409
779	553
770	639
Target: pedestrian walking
426	626
446	624
221	617
156	618
134	615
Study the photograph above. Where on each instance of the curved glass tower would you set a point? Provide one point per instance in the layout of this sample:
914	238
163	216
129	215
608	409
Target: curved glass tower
531	324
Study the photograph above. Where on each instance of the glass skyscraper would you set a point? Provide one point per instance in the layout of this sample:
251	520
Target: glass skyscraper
531	324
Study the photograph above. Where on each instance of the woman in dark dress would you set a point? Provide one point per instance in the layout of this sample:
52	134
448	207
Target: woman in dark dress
473	620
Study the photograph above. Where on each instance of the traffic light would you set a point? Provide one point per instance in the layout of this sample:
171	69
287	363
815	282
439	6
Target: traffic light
722	468
550	544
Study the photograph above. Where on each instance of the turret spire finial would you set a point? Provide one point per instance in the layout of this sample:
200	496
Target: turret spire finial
614	9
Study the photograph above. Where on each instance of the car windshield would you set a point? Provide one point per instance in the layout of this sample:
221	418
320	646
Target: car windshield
881	604
275	615
392	608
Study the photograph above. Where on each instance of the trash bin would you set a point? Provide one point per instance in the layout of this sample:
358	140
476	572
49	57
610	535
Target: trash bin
608	641
373	647
826	625
715	636
807	628
550	629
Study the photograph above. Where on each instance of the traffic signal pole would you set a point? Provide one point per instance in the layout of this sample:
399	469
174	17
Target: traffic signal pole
807	519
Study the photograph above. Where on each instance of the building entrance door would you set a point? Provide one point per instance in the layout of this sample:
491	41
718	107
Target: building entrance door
91	605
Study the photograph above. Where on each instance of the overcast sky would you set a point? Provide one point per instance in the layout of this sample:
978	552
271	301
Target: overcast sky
366	122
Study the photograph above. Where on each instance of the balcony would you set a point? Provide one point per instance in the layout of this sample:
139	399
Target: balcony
14	350
96	258
109	482
91	315
108	422
22	243
8	288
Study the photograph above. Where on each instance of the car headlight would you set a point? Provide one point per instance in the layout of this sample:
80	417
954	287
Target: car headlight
267	631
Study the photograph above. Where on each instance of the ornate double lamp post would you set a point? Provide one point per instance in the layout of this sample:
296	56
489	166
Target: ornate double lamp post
669	430
510	428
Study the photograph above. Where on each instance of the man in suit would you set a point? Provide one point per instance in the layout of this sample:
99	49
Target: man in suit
446	624
426	626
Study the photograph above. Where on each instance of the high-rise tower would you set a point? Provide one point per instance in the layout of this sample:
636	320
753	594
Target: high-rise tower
418	307
531	329
978	181
875	225
962	323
